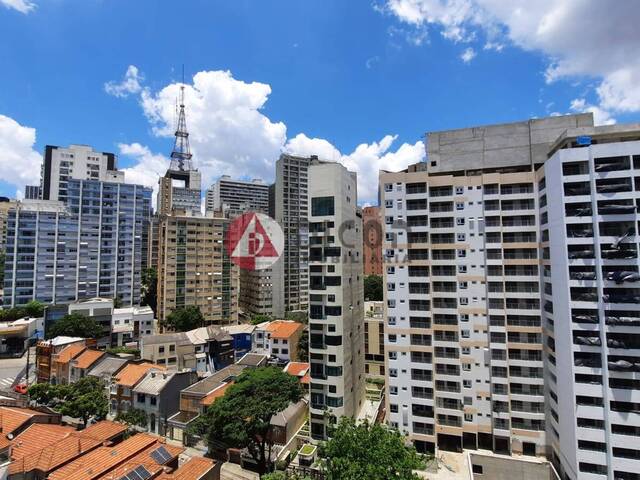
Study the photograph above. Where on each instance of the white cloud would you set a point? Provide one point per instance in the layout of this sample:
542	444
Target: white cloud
367	159
19	162
580	38
23	6
130	84
600	115
372	61
230	135
468	55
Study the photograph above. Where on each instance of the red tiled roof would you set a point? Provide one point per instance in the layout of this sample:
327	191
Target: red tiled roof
283	328
87	358
12	418
144	459
70	352
297	369
130	375
36	437
216	394
104	430
102	460
194	469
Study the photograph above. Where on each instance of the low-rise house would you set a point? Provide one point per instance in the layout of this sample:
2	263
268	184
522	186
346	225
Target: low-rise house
123	382
45	352
197	397
142	453
299	370
107	366
285	425
278	339
158	395
242	338
81	364
14	335
41	449
203	350
61	363
14	420
130	323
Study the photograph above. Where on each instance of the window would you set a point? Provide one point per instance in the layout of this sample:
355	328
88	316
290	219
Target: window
462	269
393	372
464	334
477	469
391	270
461	237
459	190
468	417
459	205
462	253
388	187
391	320
466	383
462	285
466	367
388	203
322	206
393	355
466	350
460	221
388	220
464	301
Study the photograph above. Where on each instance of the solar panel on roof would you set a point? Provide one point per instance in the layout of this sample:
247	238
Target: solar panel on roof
138	473
160	455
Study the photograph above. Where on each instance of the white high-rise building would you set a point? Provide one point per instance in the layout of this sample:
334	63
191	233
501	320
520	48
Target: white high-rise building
77	162
233	197
589	197
463	328
336	295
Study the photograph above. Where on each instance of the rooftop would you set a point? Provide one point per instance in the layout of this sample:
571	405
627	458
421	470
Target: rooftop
104	430
134	372
12	418
194	469
70	352
209	384
284	329
236	329
152	459
297	369
179	338
154	382
253	360
87	358
36	437
107	366
217	393
62	340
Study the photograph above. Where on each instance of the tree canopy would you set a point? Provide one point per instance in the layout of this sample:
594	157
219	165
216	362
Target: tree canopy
361	450
75	325
259	318
134	416
185	319
373	288
34	308
303	346
149	288
241	418
85	399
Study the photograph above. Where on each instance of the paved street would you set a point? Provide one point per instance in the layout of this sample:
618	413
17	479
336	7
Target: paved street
10	368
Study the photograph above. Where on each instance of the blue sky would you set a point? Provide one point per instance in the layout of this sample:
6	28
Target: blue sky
354	79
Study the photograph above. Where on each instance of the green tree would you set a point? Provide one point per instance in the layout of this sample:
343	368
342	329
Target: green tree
260	318
134	416
75	325
149	288
361	450
373	288
283	476
241	418
86	399
303	346
185	319
34	308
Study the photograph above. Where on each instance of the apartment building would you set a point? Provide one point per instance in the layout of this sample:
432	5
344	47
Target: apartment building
76	162
234	197
291	210
589	192
373	233
336	294
463	331
194	268
374	339
92	246
5	205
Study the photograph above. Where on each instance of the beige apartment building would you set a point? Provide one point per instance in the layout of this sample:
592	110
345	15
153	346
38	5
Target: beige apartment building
374	339
194	269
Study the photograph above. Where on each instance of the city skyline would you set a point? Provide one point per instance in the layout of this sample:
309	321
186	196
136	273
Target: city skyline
244	98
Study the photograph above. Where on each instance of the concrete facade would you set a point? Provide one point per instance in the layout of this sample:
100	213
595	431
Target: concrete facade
336	293
373	235
233	197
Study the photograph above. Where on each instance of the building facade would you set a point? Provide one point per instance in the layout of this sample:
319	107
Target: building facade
234	197
291	209
589	192
336	293
76	162
463	330
90	247
374	339
373	236
194	268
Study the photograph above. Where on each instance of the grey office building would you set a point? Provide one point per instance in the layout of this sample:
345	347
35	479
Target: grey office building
91	246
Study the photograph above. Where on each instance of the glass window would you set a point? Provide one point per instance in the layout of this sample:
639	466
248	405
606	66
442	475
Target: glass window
322	206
